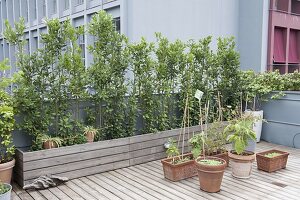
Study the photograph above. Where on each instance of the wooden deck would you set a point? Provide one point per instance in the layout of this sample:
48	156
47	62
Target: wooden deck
146	181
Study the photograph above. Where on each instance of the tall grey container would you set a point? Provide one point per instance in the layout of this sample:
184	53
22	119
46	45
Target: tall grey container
283	120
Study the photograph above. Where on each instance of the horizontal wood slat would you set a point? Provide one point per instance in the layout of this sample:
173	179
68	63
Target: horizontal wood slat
87	159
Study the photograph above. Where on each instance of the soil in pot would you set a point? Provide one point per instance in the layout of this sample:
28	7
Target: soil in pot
272	160
89	137
7	194
49	145
6	170
179	169
241	164
210	173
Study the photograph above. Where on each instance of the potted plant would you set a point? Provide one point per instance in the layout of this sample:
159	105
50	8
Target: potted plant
215	143
271	160
177	167
50	142
210	169
7	122
5	191
90	133
240	131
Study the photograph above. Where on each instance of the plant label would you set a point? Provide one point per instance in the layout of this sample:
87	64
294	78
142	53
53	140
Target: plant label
199	94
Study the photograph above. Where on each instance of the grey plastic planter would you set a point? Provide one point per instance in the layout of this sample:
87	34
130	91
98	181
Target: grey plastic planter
7	195
283	116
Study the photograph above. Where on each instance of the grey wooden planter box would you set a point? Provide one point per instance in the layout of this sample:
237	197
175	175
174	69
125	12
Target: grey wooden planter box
283	116
87	159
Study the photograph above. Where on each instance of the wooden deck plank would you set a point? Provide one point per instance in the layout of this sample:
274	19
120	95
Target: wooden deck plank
133	182
161	192
89	189
132	188
21	193
115	191
153	183
106	193
48	195
118	187
59	193
69	192
80	191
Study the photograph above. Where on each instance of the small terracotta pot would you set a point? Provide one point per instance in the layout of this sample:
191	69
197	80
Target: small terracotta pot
179	171
89	137
241	164
49	145
6	170
271	164
223	156
210	176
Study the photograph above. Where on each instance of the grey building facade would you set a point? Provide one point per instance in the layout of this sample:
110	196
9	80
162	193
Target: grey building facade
246	20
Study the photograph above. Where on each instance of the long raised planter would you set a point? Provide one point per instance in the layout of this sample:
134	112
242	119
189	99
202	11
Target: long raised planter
87	159
283	121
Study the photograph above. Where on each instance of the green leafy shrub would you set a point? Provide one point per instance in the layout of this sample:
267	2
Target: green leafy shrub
240	131
7	121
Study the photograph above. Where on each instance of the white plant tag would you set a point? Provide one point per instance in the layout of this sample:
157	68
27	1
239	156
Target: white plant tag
199	94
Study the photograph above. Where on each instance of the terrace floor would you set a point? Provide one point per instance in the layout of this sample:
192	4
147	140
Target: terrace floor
146	181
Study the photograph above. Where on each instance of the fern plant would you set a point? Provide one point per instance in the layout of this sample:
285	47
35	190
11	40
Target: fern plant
240	131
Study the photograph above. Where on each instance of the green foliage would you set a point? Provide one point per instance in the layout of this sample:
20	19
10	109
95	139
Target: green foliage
172	149
272	155
7	121
214	142
47	138
107	76
90	129
240	131
144	86
3	188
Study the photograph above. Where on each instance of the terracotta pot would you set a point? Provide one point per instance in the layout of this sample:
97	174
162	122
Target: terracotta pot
7	195
177	172
49	145
223	156
241	164
271	164
210	177
89	137
6	170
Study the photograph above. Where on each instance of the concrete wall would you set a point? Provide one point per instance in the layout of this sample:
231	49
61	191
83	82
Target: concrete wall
253	34
192	19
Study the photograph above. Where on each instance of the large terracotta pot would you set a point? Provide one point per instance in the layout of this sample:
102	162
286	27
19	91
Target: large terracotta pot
49	145
241	164
90	137
177	172
210	176
6	170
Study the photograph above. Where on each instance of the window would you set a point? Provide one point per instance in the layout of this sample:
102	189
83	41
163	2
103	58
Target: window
117	23
80	2
81	43
279	45
66	4
27	48
35	43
